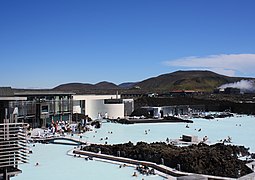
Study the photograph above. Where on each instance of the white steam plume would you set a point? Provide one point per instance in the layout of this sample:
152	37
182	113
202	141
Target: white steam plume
243	85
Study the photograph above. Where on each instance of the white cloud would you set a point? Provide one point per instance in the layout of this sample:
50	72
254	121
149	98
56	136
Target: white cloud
228	64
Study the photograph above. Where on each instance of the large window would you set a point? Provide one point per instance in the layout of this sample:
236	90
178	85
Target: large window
45	109
113	101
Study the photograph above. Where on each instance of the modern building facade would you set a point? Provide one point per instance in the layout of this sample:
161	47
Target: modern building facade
35	107
13	148
39	108
99	106
160	112
7	96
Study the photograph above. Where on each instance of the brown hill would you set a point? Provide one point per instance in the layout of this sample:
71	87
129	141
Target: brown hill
85	88
73	87
179	80
187	80
106	85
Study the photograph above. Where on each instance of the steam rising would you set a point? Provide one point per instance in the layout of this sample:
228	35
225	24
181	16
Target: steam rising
245	86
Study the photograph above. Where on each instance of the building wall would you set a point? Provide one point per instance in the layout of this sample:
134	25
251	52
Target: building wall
98	106
128	106
95	105
158	112
38	112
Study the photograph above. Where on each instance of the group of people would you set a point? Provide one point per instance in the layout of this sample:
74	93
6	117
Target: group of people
146	131
60	127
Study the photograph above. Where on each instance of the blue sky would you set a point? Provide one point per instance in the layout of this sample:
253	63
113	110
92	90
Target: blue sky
49	42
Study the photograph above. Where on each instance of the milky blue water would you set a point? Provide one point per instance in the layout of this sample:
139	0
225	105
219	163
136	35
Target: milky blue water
240	129
55	164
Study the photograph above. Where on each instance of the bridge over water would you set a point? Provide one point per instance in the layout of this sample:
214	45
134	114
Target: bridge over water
64	140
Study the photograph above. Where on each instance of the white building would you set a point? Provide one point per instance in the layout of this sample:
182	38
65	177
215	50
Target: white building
99	106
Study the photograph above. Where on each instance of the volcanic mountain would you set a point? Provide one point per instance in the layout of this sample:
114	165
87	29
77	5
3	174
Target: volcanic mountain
187	80
179	80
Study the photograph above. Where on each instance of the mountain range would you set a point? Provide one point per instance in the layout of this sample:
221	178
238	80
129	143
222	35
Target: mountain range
205	81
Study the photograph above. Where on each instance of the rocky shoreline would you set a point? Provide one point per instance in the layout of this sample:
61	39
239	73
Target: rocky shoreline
218	160
170	119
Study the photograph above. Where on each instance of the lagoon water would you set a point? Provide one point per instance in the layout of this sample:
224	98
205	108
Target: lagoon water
56	164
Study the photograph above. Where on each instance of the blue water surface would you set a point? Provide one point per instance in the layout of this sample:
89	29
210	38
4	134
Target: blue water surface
54	163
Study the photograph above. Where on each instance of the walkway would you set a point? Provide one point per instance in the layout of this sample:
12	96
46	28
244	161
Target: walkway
161	168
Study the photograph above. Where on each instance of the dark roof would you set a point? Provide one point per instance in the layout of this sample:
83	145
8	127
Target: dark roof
36	92
9	92
6	92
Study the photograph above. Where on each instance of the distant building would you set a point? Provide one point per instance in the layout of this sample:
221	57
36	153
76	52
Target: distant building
132	95
228	90
219	91
98	106
152	95
181	93
160	112
128	106
189	138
